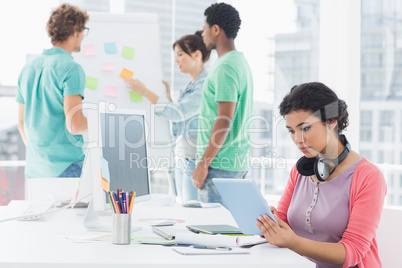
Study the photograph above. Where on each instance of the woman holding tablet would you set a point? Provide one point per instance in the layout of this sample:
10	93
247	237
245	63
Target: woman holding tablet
191	54
331	206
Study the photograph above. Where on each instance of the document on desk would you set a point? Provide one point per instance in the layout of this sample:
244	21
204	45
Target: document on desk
218	240
200	251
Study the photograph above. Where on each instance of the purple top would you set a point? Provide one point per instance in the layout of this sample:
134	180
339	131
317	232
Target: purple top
320	210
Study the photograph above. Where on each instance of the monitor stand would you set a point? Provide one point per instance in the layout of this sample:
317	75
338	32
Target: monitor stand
91	221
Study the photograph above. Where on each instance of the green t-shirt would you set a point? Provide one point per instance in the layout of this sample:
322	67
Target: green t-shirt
229	80
42	85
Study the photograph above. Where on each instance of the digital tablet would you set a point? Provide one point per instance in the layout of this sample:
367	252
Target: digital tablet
214	229
245	202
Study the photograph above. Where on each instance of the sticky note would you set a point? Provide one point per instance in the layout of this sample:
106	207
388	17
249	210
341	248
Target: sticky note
104	164
110	48
128	53
105	184
111	91
125	73
89	50
134	97
91	83
108	67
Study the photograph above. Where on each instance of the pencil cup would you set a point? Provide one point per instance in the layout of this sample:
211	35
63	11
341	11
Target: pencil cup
121	232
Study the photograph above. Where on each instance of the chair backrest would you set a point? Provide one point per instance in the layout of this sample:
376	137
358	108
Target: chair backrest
389	237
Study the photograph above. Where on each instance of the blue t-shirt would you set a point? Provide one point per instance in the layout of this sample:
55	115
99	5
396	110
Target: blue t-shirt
42	85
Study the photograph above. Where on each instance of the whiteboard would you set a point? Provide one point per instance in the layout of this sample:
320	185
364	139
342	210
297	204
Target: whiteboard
129	41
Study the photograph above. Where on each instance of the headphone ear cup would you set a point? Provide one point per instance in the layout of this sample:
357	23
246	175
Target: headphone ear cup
305	166
321	169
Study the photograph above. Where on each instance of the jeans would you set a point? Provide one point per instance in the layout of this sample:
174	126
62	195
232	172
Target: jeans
209	193
182	175
73	171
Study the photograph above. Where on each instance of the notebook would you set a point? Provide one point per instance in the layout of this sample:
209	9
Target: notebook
201	251
244	201
214	229
218	240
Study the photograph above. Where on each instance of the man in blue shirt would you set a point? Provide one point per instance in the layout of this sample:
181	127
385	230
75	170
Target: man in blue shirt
50	92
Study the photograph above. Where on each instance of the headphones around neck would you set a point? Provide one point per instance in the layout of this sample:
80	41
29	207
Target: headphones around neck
321	167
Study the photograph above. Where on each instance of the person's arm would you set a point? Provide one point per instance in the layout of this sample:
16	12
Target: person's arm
283	236
367	195
217	138
168	96
138	87
21	129
76	122
287	194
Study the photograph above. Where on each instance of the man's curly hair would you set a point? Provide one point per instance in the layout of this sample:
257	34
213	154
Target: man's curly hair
64	20
225	16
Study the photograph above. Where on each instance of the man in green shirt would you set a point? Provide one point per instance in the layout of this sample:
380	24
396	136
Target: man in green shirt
223	141
50	92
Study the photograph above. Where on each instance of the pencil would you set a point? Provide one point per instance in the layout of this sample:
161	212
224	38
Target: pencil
132	203
111	203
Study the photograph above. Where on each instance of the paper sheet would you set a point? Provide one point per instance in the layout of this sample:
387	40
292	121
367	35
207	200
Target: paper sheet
91	83
110	48
134	97
128	53
89	50
126	73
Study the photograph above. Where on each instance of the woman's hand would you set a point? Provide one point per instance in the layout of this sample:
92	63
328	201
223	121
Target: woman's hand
273	210
137	86
281	236
167	90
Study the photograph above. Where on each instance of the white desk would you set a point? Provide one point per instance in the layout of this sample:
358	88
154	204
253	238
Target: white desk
41	244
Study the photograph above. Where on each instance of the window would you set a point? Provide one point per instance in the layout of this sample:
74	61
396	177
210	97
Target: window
381	67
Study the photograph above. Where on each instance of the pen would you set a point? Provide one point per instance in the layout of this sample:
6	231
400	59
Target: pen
116	200
127	202
211	247
123	202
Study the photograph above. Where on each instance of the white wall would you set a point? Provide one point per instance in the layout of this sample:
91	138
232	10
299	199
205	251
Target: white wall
389	237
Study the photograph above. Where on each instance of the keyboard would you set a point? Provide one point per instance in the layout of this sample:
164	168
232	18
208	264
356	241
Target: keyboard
168	232
35	210
24	210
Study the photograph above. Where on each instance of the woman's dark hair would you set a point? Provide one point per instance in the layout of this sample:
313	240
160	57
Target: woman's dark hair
191	43
225	16
318	99
64	20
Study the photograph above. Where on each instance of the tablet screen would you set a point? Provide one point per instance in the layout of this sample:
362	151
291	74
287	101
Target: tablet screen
245	202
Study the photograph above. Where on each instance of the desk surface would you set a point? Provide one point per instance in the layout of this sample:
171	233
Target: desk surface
43	243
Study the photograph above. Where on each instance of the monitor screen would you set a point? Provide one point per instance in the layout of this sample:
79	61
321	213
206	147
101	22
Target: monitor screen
124	148
120	137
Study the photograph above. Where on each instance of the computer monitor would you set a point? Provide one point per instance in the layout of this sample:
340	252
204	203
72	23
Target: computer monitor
120	137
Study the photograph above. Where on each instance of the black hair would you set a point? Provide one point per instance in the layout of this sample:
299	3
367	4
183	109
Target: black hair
225	16
191	43
320	100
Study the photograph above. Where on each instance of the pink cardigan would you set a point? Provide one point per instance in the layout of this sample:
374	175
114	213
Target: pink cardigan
367	194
